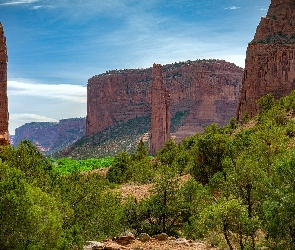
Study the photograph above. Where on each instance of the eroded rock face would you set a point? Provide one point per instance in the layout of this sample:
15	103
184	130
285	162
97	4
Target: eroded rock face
42	134
160	114
50	137
270	61
207	89
4	139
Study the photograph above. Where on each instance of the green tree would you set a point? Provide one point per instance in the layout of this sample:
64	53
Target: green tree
36	168
279	207
102	218
288	102
193	198
266	102
117	172
212	148
29	218
140	168
225	217
163	203
167	154
141	152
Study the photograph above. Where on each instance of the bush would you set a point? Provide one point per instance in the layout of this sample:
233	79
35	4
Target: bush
116	173
29	218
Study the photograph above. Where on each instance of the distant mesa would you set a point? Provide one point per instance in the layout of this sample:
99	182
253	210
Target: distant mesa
50	137
270	60
4	136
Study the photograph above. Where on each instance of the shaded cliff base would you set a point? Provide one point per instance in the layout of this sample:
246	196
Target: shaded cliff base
120	137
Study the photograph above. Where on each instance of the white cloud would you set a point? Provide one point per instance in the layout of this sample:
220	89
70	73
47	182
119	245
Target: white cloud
18	119
34	102
232	8
37	7
20	2
26	117
75	93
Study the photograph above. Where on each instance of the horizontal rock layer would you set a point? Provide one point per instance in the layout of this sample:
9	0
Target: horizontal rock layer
207	89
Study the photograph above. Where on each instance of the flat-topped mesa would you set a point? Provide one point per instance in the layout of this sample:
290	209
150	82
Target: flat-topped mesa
160	115
4	139
202	92
270	59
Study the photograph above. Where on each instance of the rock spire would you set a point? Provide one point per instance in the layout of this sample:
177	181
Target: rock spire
160	115
4	140
270	59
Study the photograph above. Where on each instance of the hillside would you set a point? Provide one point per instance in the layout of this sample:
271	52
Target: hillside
119	137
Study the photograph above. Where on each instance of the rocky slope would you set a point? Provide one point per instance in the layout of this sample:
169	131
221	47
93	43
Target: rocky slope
144	242
50	137
270	61
207	90
122	136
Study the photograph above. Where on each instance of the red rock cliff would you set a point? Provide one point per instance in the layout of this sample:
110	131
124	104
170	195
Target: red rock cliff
4	140
270	60
207	89
160	113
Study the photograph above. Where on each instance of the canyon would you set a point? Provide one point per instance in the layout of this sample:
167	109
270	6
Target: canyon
270	58
201	92
206	91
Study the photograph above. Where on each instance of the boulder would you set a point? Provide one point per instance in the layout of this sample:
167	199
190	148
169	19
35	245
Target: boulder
144	237
161	237
93	245
125	238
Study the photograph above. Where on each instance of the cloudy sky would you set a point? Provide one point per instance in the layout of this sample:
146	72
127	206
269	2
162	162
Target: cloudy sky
54	46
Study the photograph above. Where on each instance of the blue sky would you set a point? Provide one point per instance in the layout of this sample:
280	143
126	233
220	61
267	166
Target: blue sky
54	46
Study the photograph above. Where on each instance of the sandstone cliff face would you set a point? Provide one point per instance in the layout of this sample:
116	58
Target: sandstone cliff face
4	140
270	60
160	113
207	89
50	137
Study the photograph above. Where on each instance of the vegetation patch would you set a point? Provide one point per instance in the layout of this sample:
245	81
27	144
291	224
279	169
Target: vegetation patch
66	165
241	194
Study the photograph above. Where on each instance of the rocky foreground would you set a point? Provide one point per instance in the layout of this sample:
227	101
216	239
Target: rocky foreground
127	241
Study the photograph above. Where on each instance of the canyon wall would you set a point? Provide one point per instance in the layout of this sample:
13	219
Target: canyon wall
4	136
208	90
270	59
50	137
